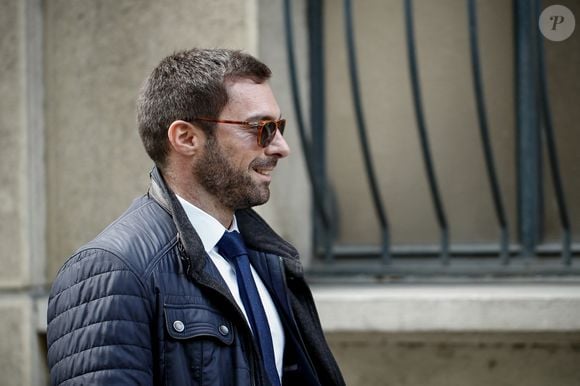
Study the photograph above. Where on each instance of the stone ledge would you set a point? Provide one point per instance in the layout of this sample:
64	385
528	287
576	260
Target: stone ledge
450	308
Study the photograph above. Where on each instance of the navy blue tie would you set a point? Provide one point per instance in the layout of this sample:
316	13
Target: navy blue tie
231	246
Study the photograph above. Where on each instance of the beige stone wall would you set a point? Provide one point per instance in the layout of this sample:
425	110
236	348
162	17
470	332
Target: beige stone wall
16	344
13	270
380	359
21	191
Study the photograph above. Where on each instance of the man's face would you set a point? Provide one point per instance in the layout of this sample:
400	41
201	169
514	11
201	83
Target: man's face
233	167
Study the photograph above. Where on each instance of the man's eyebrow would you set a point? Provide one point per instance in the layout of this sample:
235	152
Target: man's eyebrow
262	117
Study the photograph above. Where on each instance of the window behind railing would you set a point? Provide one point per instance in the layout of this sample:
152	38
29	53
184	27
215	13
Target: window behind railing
441	137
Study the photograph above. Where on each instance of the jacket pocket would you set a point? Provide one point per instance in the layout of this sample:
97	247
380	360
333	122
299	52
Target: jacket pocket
199	346
197	321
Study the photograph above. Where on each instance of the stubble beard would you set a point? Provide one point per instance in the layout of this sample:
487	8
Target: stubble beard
232	187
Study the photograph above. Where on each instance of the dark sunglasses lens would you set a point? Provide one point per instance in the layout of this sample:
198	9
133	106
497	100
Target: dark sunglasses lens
281	125
268	133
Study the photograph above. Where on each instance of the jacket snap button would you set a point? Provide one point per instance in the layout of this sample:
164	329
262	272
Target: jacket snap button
178	326
224	330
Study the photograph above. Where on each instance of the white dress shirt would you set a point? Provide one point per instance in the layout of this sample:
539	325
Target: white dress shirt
210	231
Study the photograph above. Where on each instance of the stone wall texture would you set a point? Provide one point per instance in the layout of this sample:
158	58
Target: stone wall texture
16	346
457	359
12	271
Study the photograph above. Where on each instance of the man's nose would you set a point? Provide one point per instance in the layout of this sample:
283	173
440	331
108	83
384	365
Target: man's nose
278	147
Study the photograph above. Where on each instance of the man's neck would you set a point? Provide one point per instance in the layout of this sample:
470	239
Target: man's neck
197	196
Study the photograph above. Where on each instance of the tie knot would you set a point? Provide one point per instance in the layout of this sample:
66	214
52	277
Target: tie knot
231	245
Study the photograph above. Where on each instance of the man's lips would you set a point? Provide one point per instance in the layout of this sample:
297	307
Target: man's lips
264	172
264	167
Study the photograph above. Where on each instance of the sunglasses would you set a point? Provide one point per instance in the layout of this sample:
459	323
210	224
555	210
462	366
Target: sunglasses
266	129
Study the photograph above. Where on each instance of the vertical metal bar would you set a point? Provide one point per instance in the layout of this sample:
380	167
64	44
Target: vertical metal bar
484	131
427	158
552	150
362	131
528	148
315	20
317	86
306	146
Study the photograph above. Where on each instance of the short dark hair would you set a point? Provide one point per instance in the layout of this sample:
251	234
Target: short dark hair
187	85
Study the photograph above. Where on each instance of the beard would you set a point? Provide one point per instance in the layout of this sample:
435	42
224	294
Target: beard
233	187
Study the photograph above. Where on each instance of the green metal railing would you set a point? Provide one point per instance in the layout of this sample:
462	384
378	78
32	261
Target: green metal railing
508	256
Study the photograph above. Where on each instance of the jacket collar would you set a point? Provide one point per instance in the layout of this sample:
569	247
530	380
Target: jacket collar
256	232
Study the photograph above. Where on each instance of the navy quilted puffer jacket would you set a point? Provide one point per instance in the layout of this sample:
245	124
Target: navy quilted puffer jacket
142	304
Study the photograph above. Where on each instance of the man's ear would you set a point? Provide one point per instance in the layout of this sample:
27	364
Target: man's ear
185	138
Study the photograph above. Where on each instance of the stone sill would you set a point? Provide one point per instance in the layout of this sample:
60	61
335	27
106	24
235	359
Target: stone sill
439	308
449	308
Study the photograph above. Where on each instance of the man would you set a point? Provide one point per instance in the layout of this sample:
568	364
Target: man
170	293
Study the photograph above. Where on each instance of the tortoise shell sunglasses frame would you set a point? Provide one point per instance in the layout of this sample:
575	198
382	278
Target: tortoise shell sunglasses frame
266	128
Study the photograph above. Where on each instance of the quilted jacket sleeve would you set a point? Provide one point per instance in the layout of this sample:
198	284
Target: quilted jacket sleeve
99	315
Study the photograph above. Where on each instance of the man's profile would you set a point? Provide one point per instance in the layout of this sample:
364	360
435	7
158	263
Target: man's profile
190	286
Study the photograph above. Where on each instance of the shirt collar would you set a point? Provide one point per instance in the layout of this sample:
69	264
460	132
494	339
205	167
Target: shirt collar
209	230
